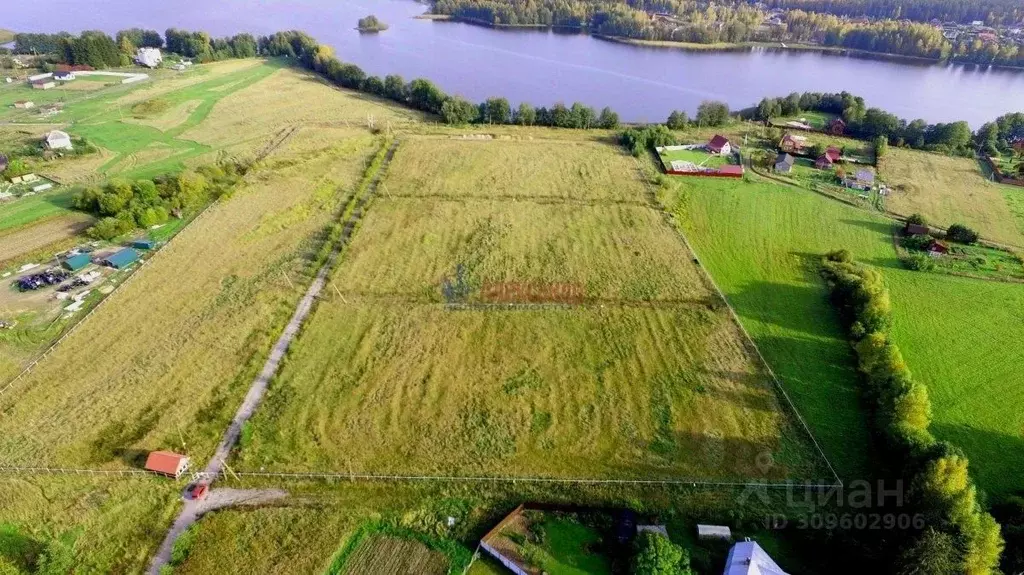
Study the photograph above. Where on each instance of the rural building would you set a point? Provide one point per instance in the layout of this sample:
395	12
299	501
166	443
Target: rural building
122	259
44	85
837	127
747	558
26	179
76	262
714	532
916	229
149	57
23	104
143	244
938	248
167	463
66	76
792	144
824	162
57	140
784	163
719	145
833	153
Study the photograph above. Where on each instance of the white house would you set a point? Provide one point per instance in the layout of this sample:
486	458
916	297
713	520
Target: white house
149	57
57	140
747	558
64	76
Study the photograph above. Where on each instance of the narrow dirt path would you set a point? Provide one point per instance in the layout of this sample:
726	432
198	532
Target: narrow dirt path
193	509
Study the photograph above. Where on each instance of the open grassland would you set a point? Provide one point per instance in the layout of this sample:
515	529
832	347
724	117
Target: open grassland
761	242
948	190
962	337
610	252
501	169
165	361
20	242
97	525
616	387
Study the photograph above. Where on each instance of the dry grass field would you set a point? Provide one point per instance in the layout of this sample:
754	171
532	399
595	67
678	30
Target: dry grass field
612	252
563	170
949	190
98	525
164	363
387	379
173	116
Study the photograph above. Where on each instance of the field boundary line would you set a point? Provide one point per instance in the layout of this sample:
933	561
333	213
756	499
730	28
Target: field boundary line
192	510
736	319
500	198
117	289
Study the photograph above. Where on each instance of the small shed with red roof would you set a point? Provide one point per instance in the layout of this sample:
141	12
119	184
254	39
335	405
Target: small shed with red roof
837	127
167	463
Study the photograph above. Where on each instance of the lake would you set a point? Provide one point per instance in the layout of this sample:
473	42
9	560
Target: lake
542	67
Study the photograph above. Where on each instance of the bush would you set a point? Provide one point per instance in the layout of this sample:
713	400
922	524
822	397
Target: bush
917	219
918	262
656	555
918	242
961	234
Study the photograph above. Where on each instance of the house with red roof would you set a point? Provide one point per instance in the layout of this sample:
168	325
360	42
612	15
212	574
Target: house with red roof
167	463
719	145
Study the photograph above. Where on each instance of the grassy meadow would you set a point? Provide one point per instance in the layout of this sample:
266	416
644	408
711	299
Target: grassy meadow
180	343
948	190
648	378
761	241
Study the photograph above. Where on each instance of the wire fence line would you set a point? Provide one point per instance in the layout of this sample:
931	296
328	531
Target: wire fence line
399	478
736	319
74	327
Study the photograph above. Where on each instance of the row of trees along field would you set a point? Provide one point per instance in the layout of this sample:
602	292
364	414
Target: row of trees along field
99	50
871	123
958	536
1004	135
734	22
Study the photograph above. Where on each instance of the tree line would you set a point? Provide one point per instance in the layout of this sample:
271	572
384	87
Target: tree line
959	536
871	123
424	95
992	12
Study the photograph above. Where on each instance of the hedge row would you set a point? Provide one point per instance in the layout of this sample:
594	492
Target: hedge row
936	471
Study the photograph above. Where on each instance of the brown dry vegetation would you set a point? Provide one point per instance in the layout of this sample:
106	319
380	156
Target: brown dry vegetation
949	190
169	118
165	361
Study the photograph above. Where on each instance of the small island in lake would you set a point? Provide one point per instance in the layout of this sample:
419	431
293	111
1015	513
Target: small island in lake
371	24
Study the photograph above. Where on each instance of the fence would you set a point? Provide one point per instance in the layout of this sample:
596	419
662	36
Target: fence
1003	179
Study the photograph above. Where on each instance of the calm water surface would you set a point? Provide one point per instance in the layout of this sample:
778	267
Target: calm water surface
642	84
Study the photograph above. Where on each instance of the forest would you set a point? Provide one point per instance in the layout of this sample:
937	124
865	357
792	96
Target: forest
991	12
741	22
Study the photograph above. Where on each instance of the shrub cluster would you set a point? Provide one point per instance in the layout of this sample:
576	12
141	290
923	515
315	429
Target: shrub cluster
125	206
961	234
640	139
940	487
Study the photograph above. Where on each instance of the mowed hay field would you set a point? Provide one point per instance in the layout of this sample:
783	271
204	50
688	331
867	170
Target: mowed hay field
16	243
761	242
165	361
625	387
948	190
385	555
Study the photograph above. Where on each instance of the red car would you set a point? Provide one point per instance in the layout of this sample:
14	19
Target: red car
199	491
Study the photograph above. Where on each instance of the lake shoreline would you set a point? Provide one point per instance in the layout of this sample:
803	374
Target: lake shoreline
723	47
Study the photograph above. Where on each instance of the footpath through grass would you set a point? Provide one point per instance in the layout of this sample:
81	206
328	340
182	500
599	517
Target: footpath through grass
761	242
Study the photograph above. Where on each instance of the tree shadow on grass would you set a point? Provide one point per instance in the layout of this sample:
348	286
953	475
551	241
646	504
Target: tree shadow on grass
996	459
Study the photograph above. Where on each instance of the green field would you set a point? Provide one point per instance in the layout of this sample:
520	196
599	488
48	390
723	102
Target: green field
25	211
817	120
761	243
646	377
